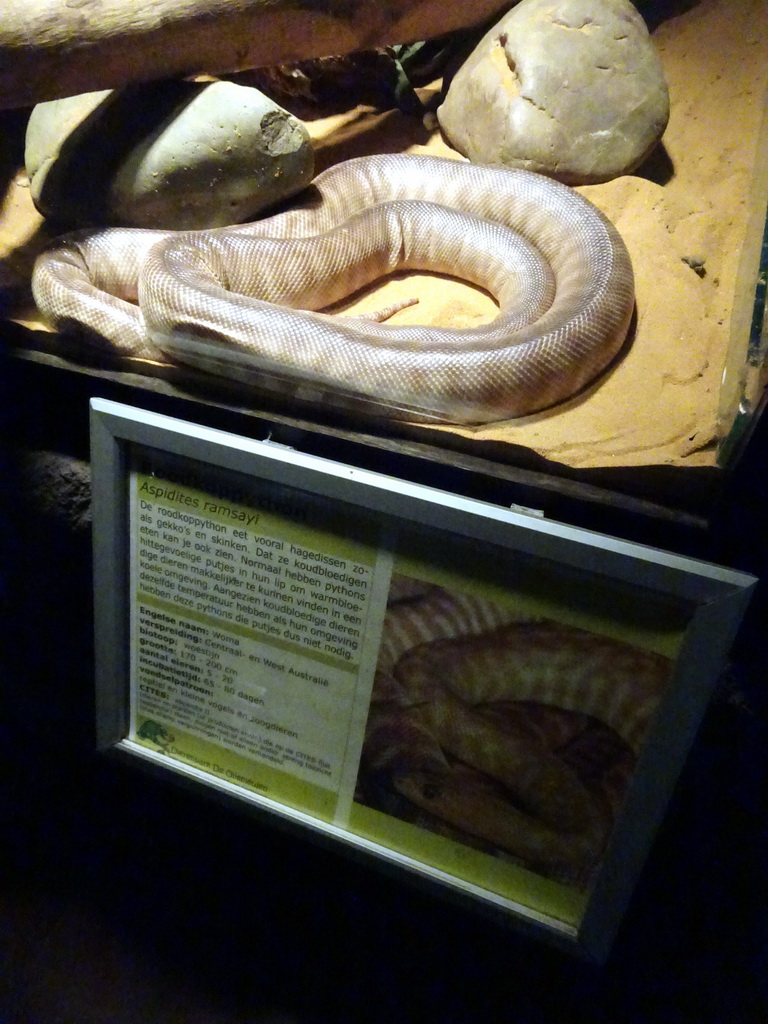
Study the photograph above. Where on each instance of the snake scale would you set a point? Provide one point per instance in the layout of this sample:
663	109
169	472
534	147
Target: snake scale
246	302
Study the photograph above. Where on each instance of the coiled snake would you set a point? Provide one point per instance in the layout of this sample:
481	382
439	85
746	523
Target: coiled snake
226	300
521	734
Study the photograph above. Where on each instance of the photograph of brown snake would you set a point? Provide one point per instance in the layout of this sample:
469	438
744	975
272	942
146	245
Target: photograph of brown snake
514	735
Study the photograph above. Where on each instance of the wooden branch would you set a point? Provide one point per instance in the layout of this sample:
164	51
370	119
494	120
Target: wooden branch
54	48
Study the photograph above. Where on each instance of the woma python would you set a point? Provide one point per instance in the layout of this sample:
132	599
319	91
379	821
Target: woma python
242	302
520	734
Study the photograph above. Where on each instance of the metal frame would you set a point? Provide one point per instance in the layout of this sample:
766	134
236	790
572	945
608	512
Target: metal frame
716	596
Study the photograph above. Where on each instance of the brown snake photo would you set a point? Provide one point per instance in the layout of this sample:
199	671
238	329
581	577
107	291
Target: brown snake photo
245	302
514	735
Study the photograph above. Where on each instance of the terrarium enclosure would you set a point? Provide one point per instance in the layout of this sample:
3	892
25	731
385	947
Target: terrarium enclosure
667	416
474	655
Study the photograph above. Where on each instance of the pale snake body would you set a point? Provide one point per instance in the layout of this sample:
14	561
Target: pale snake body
225	300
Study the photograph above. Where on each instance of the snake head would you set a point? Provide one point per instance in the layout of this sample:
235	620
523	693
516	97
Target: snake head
422	787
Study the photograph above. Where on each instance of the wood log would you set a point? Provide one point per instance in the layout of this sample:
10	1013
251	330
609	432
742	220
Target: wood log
54	48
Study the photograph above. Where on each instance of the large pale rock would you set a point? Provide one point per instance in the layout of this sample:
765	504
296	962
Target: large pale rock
175	155
569	88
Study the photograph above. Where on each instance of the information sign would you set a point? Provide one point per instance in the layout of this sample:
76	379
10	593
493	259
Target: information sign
255	632
497	704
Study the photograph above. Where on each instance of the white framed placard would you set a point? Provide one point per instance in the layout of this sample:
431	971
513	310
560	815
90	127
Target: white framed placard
482	699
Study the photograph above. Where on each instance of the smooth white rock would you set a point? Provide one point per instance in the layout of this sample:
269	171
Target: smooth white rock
570	88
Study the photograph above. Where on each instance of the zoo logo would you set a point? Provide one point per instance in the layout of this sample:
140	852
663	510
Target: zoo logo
155	733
